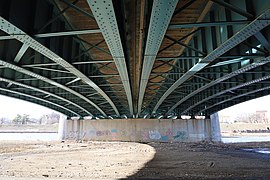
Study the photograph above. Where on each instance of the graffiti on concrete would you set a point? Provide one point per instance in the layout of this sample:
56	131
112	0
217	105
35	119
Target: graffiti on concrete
154	135
92	132
180	135
166	135
76	135
103	133
168	132
114	133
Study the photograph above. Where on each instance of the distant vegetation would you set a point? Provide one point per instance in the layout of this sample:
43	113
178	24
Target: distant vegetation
20	119
257	117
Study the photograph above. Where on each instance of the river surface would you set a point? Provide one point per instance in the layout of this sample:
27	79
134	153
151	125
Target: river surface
245	139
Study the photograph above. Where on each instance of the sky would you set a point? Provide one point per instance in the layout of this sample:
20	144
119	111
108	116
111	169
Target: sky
262	103
10	107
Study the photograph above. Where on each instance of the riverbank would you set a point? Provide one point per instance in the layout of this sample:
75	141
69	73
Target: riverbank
122	160
244	127
29	128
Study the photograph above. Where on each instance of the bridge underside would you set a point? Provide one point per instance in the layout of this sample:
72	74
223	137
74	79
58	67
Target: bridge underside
131	59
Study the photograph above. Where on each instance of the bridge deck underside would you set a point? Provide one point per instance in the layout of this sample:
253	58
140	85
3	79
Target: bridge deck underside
113	59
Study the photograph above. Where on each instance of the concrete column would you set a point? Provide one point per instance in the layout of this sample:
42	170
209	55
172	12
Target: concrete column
62	127
215	128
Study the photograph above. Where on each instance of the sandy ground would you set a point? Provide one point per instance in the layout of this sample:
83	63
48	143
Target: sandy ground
122	160
91	160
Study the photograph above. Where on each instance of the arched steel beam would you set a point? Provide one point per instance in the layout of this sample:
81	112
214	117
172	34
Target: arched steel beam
106	20
235	97
21	36
45	92
257	63
161	15
39	99
47	80
255	26
227	90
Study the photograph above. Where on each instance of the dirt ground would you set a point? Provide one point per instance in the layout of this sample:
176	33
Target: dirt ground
128	160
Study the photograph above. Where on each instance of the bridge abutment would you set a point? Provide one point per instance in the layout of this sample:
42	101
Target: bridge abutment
143	130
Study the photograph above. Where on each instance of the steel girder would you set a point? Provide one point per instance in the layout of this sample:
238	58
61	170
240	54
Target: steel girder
45	93
220	80
249	30
108	59
42	78
105	17
57	34
39	99
161	15
21	36
259	62
235	97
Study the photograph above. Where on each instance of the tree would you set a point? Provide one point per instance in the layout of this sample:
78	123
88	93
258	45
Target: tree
17	119
2	120
21	119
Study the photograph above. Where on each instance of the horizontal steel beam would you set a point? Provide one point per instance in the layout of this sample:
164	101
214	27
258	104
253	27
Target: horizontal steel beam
260	62
104	75
38	65
67	33
245	56
93	62
207	24
246	32
15	32
47	80
44	92
39	99
234	97
228	90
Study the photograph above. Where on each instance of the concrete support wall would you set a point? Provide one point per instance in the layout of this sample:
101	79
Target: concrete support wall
62	127
215	128
140	130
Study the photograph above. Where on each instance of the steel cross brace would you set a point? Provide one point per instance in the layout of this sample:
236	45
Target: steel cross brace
228	90
26	39
44	92
235	97
37	98
49	81
246	32
221	79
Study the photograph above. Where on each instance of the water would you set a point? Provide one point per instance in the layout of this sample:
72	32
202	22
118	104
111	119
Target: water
244	139
29	136
259	150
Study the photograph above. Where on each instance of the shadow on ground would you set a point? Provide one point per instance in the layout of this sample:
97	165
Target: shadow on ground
205	161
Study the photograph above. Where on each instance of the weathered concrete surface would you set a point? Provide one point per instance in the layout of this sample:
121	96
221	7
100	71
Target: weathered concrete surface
215	128
140	130
62	127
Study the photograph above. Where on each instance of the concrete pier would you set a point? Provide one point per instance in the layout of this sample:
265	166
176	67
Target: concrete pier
215	128
62	127
142	130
